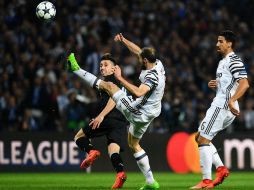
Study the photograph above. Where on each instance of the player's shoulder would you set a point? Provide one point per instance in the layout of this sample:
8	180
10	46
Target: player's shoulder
159	67
234	58
159	63
155	71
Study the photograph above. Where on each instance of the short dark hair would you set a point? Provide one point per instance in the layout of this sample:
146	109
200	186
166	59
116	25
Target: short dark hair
149	54
108	56
229	36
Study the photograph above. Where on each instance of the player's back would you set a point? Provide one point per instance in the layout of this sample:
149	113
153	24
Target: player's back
150	103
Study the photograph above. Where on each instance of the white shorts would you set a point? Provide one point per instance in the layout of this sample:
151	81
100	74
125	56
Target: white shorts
139	121
216	119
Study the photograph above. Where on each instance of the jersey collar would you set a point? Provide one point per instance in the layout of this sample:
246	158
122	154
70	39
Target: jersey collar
231	53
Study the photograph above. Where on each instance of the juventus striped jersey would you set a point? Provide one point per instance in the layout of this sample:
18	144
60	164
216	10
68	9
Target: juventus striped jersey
150	103
230	70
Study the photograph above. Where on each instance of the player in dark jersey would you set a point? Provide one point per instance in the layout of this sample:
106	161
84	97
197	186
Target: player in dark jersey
109	122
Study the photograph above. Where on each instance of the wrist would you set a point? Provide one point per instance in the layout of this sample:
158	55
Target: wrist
123	40
232	99
120	78
100	116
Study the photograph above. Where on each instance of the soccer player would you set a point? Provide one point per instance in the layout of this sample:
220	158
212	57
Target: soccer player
141	112
109	122
230	85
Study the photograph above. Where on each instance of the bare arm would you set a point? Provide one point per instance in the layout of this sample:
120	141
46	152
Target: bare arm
137	91
95	123
130	45
243	86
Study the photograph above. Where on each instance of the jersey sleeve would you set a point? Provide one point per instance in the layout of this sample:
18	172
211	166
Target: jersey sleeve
237	69
151	79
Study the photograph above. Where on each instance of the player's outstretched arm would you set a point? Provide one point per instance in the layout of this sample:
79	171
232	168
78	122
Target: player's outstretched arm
241	89
95	123
137	91
130	45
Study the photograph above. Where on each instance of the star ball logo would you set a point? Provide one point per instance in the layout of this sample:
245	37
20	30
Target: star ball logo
182	153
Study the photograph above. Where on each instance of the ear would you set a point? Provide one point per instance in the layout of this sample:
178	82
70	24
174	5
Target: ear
145	60
230	44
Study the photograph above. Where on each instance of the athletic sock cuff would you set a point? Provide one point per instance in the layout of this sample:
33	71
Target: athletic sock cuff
96	83
139	155
202	145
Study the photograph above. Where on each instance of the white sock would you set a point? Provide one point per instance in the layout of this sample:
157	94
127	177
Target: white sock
89	78
206	160
216	158
144	166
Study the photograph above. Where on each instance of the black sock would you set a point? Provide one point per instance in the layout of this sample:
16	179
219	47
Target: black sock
84	144
117	162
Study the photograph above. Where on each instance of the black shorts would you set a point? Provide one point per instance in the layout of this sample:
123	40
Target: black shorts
114	130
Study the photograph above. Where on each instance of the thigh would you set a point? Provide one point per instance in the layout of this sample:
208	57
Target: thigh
212	123
229	119
133	141
125	106
139	121
117	133
98	132
137	129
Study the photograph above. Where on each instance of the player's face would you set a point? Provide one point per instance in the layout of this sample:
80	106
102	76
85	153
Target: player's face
106	67
222	45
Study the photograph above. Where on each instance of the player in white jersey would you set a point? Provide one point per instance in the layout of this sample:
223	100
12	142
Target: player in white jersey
141	112
231	83
146	107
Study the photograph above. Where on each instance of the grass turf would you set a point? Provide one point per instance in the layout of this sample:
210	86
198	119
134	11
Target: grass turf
100	181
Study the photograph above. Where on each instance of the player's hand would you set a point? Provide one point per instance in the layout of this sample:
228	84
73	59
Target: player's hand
212	84
232	108
117	72
95	123
119	37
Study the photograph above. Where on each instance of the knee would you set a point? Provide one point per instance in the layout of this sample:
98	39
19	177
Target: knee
79	134
113	148
202	140
196	137
76	137
110	86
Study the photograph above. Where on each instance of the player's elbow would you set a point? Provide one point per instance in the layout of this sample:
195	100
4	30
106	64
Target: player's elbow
246	84
138	94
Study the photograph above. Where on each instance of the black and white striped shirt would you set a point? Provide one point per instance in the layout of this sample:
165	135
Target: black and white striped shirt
150	103
230	70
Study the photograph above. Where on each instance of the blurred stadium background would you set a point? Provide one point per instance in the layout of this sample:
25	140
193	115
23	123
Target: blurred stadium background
39	108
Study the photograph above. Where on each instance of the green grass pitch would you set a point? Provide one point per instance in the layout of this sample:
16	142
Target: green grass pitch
100	181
